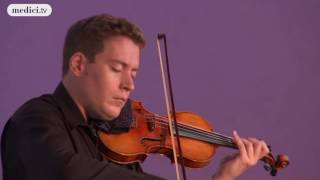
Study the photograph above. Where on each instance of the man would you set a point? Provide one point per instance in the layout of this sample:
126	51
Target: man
54	136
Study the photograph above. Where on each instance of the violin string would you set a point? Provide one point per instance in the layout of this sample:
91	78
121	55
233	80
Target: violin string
191	134
199	136
205	138
221	140
196	129
213	137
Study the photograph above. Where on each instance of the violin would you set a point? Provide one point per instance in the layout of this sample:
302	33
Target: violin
149	133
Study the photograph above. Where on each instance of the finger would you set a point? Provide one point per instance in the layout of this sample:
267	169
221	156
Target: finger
265	149
260	147
241	146
249	148
257	147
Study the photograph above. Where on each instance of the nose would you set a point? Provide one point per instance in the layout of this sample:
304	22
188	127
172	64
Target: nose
127	82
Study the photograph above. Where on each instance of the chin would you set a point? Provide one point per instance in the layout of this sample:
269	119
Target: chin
112	114
109	111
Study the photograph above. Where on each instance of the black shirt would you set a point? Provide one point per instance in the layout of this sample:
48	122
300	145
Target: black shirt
47	138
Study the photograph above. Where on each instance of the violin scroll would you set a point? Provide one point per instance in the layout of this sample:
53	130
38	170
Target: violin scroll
273	165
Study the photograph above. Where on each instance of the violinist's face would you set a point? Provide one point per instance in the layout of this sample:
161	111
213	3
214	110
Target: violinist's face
108	81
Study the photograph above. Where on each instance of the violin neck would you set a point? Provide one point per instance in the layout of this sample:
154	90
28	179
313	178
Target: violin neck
206	136
196	133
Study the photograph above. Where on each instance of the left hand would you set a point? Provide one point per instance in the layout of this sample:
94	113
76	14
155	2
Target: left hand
250	151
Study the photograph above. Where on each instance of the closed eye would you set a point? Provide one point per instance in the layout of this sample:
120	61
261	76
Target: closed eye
116	69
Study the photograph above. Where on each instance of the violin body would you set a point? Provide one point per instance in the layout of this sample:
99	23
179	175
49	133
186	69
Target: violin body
149	134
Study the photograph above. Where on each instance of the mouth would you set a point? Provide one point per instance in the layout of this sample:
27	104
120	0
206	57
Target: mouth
120	101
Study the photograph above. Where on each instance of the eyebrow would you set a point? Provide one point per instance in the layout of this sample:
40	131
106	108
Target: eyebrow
117	61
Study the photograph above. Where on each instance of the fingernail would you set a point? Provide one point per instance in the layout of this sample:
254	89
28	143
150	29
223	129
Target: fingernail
235	133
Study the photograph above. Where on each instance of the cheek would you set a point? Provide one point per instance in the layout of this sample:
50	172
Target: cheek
103	82
101	78
108	82
107	85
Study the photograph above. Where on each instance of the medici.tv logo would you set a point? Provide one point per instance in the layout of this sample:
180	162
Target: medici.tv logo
29	10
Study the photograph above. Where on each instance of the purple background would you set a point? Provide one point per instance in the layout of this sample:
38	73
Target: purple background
249	65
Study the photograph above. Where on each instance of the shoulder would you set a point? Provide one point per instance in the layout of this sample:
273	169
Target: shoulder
37	111
43	105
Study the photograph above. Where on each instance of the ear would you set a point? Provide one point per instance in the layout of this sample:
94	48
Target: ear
78	63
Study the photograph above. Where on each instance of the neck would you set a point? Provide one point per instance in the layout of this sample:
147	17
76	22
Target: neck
71	89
